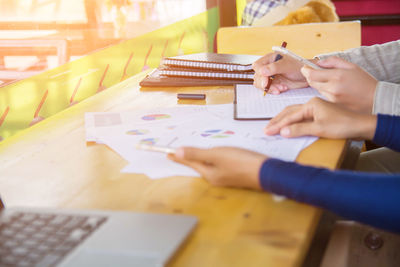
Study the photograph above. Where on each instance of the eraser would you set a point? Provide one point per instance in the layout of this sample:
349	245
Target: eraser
192	96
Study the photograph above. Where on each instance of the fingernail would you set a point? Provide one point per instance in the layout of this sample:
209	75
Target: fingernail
267	131
285	131
270	129
275	92
180	153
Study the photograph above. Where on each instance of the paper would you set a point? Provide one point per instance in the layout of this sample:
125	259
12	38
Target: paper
252	104
199	126
143	122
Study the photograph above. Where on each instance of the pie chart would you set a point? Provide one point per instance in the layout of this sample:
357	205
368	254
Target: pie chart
153	117
149	141
217	133
137	132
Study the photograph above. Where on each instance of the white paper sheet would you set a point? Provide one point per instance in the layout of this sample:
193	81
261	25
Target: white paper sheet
192	126
251	102
143	122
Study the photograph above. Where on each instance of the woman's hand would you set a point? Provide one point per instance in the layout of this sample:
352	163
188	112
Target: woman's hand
223	166
343	83
324	119
286	72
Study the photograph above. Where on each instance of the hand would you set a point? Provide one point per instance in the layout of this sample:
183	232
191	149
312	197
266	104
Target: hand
324	119
286	72
344	83
223	166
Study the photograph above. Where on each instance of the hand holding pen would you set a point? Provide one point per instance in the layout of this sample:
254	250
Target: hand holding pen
286	72
272	77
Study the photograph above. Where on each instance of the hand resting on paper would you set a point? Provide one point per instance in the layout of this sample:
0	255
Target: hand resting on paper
223	166
235	167
323	119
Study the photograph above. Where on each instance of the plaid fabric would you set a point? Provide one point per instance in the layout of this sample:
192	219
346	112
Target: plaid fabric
258	8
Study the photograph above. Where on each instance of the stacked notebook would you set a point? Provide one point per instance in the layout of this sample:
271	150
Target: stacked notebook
203	69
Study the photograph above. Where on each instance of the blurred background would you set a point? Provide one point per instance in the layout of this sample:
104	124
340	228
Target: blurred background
36	35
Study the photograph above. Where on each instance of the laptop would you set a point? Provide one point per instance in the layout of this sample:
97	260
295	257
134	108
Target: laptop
54	237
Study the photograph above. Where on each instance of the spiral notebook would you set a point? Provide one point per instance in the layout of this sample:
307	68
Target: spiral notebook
200	73
212	61
203	69
156	79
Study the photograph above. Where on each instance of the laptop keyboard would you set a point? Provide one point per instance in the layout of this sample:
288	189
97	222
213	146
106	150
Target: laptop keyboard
42	239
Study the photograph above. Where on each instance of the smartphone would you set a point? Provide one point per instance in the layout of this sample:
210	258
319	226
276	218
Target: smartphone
284	51
155	148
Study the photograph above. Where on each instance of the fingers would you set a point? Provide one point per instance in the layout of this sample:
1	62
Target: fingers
260	81
276	87
325	81
267	66
292	115
287	111
301	129
259	65
335	63
313	75
275	67
195	154
201	167
289	115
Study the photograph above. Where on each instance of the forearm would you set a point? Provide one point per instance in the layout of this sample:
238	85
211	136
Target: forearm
381	61
387	98
368	198
387	132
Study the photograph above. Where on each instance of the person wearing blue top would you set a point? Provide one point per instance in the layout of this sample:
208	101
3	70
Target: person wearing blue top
364	79
369	198
363	87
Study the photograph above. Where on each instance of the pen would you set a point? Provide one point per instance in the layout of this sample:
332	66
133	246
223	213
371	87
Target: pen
270	78
296	57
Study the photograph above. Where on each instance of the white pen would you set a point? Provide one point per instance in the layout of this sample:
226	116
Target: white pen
155	148
284	51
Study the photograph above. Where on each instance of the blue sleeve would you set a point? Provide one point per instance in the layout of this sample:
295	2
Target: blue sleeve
370	198
387	131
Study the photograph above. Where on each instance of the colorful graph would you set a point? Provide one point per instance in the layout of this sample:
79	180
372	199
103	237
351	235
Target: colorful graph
217	133
148	141
137	132
152	117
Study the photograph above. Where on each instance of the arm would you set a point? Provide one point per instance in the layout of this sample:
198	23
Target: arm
383	62
369	198
387	131
364	197
387	99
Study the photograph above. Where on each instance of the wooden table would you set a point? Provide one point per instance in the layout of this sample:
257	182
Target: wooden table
51	165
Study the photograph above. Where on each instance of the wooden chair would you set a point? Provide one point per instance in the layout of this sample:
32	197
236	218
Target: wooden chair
306	40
